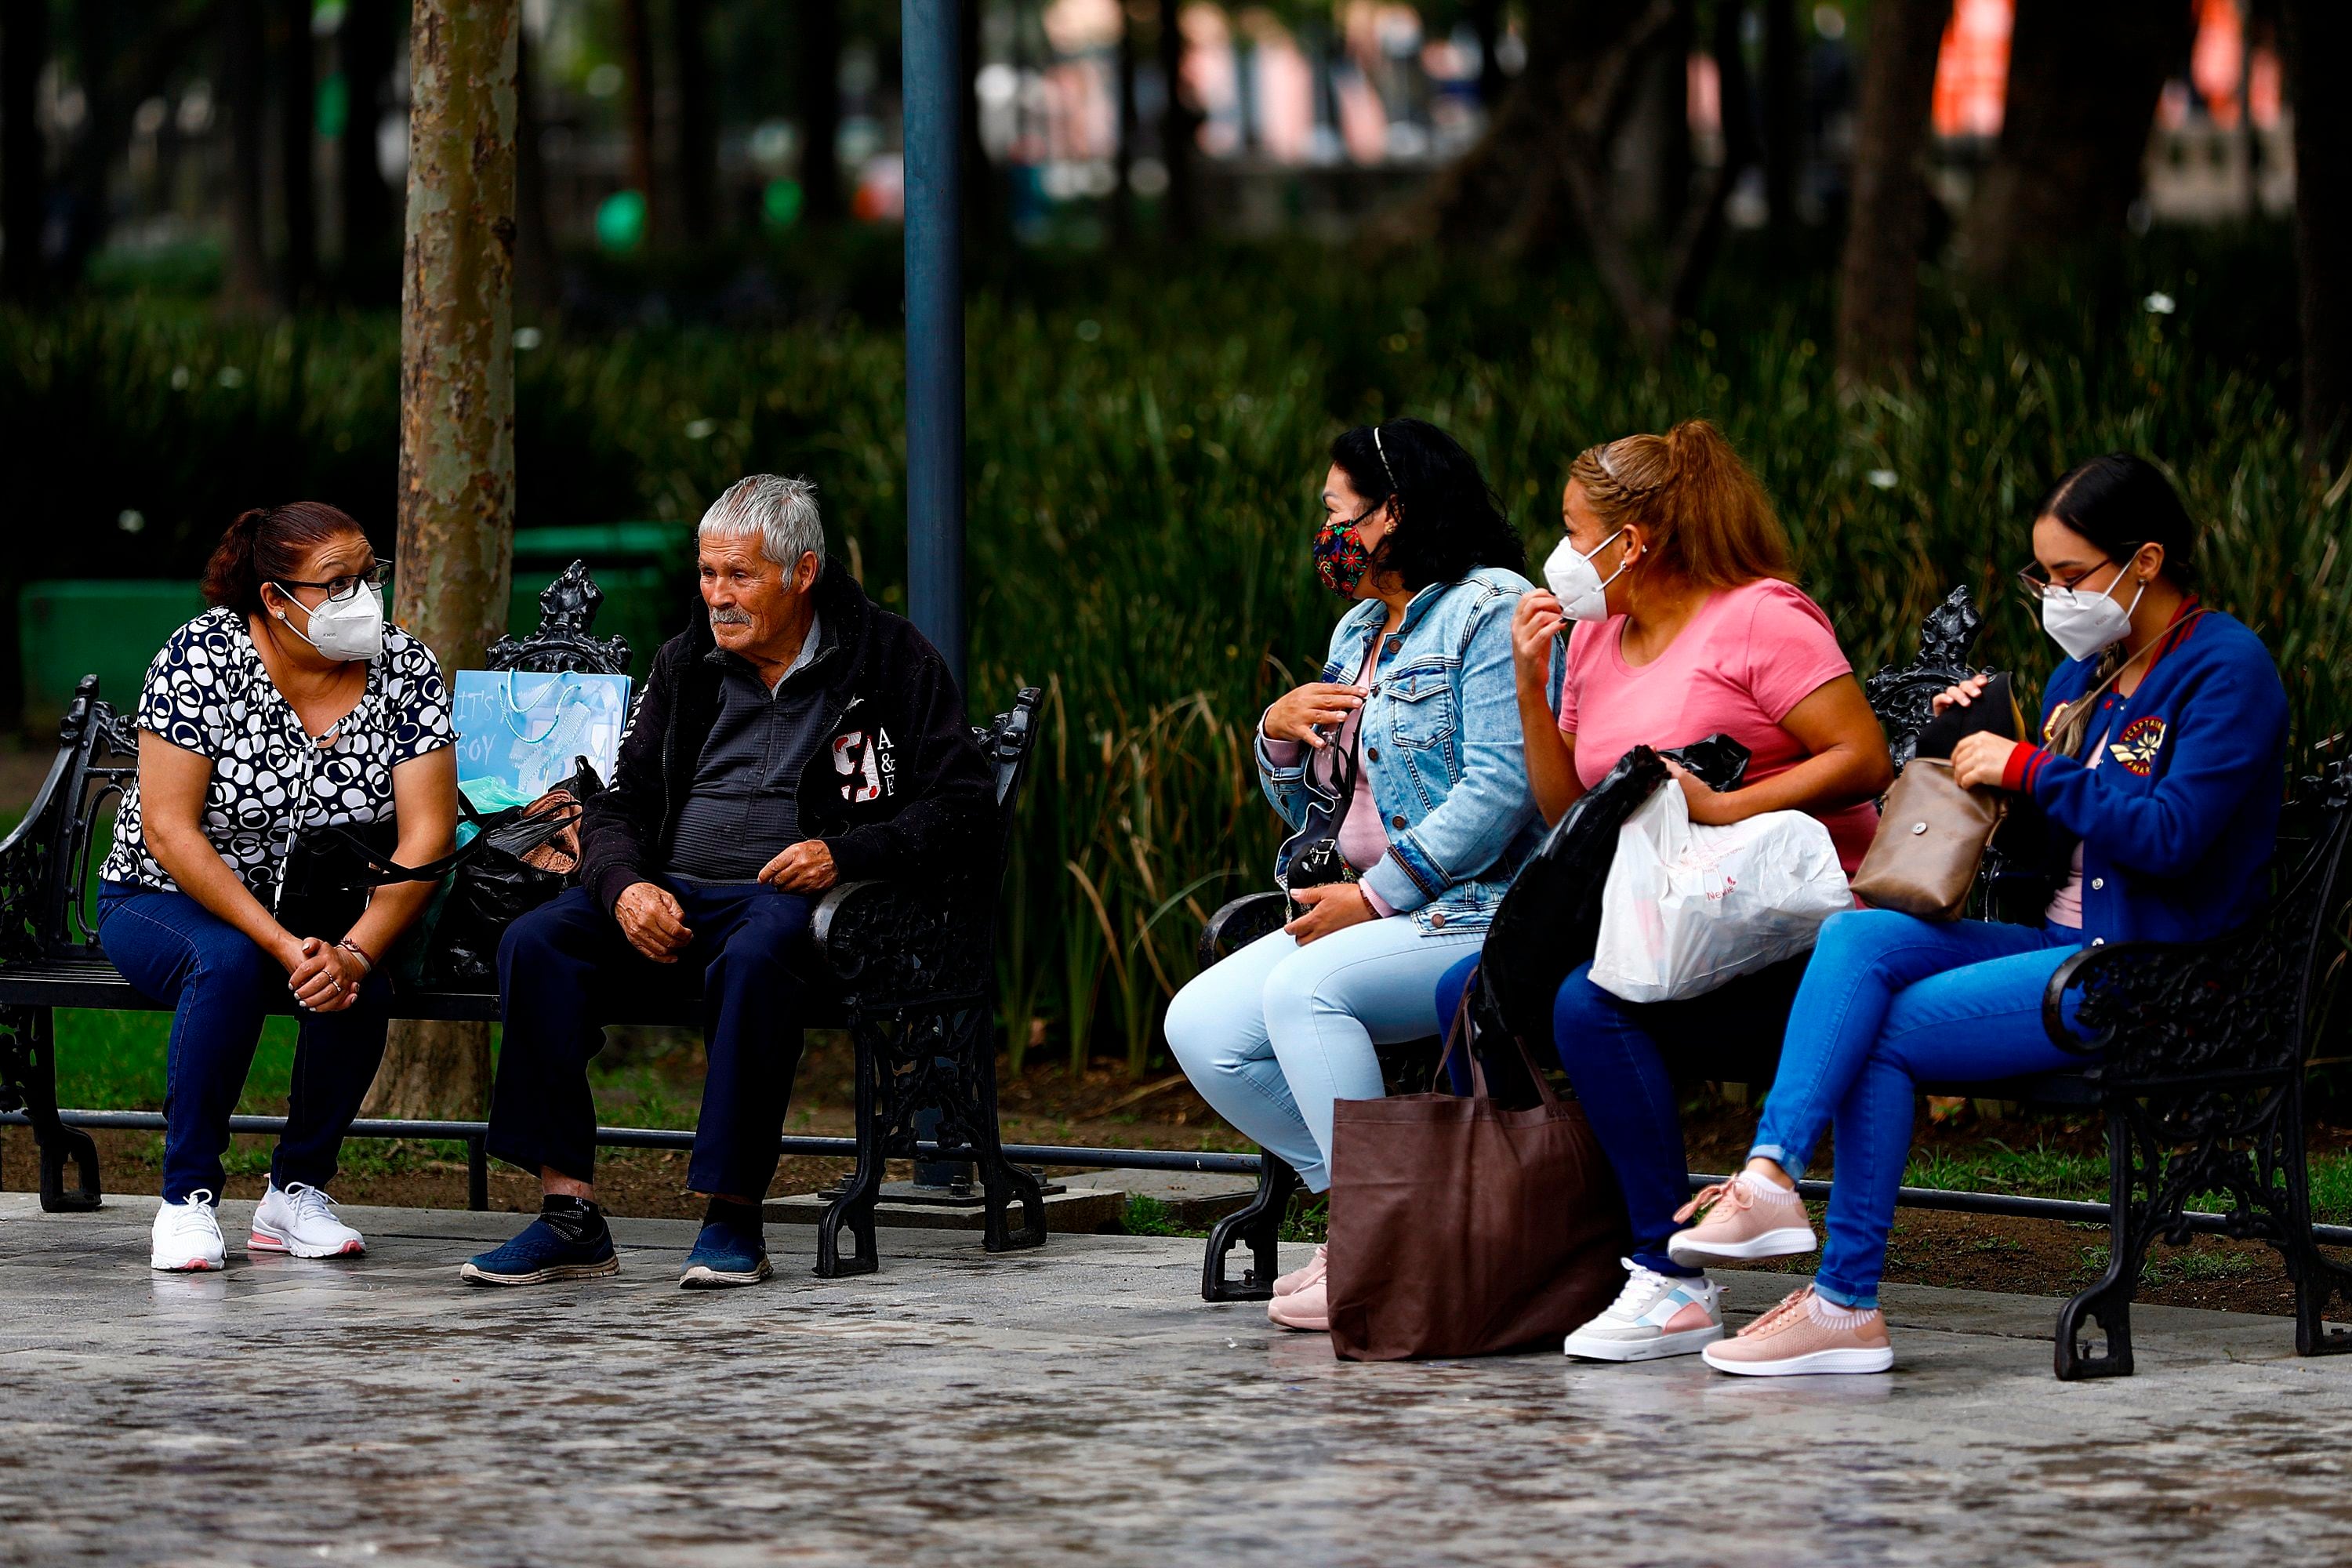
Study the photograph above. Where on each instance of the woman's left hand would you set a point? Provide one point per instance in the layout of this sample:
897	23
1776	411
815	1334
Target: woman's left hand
1708	808
1981	758
1333	907
328	978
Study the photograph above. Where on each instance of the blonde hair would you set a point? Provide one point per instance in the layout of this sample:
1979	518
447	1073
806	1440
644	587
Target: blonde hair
1700	511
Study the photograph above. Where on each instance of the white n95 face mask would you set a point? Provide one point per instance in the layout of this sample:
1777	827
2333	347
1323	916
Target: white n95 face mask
349	629
1577	583
2087	624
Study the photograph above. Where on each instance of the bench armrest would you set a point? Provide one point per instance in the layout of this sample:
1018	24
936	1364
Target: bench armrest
2157	1011
1242	921
889	945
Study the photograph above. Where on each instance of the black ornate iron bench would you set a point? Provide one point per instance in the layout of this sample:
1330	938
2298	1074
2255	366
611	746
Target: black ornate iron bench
912	972
2194	1052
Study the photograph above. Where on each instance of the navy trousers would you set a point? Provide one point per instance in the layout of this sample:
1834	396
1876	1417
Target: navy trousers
565	971
176	951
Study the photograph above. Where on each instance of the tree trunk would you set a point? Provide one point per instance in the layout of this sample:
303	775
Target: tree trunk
1878	279
246	286
1487	23
363	50
1784	112
2083	77
24	50
2318	40
822	197
697	121
456	418
645	165
1180	129
297	92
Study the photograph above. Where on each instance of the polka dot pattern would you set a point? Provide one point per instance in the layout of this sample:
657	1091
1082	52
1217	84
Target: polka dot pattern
208	693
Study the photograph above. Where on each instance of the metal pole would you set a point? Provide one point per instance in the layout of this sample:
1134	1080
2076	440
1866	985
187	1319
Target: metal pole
932	72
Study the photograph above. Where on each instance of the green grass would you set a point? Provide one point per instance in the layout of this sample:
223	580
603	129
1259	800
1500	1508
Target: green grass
2044	1173
1145	446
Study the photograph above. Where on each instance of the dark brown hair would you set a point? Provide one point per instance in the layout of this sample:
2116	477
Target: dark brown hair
1697	505
266	544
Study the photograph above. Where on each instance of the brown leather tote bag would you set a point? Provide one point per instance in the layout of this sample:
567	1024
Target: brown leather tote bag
1460	1227
1931	838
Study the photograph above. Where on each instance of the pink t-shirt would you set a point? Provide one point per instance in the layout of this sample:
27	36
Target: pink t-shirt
1750	655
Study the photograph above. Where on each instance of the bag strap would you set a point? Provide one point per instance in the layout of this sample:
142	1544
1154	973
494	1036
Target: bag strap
379	869
1464	1031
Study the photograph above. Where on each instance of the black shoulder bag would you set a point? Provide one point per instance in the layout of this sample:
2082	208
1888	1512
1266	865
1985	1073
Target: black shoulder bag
1320	864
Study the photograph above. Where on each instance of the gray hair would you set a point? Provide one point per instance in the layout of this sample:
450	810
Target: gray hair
782	512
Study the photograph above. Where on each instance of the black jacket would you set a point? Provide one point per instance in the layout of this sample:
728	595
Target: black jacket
899	785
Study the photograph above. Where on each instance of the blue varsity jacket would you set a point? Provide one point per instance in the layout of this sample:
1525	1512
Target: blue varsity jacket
2179	820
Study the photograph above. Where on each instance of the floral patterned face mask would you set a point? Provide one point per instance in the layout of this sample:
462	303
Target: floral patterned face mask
1341	557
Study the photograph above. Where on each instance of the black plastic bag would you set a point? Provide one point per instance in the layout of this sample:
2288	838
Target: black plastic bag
1550	919
499	883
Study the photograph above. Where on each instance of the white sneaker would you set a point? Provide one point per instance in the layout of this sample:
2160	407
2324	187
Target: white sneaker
301	1220
1654	1316
187	1238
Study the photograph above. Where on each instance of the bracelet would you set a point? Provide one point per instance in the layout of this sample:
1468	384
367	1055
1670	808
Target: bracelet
1371	908
367	965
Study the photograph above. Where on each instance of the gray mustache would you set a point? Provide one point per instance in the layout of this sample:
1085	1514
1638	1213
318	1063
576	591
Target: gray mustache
729	617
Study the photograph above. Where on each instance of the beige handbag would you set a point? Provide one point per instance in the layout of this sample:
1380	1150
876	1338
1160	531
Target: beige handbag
1931	838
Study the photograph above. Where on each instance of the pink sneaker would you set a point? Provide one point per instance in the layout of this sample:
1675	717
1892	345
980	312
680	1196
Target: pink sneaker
1299	1279
1307	1309
1743	1218
1805	1334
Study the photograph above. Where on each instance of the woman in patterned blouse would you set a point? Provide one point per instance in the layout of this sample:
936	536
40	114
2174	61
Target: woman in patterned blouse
288	706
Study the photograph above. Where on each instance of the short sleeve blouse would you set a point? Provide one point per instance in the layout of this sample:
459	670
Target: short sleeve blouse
208	693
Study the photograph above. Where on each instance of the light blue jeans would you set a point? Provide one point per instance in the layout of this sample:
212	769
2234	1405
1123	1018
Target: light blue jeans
1889	1002
1279	1032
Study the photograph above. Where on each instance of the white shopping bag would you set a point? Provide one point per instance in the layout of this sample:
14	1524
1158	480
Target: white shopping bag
1688	907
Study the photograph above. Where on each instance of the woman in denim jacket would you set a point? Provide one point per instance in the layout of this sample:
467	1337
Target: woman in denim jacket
1411	742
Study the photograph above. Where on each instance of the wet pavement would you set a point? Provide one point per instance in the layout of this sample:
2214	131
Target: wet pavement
1073	1405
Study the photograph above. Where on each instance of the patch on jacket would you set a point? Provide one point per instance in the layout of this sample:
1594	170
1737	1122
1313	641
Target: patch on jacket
868	766
2137	747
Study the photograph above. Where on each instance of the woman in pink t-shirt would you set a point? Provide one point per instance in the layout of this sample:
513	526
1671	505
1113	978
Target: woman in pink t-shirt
1675	590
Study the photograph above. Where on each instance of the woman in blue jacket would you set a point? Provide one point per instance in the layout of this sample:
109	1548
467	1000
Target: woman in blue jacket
2157	776
1398	773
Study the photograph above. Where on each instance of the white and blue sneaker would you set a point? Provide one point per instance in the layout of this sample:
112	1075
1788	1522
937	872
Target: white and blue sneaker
1656	1315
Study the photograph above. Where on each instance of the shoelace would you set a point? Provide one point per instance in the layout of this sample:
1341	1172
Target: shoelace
309	1202
1733	1191
201	1199
1648	1281
1791	1304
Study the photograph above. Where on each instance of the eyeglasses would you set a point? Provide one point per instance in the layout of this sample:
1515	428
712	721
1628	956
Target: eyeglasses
339	589
2036	582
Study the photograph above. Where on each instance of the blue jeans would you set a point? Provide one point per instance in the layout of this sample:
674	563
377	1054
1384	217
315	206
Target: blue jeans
219	983
1277	1033
565	971
1616	1053
1891	1001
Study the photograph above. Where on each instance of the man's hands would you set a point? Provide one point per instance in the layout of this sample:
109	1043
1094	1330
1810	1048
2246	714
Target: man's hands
1295	714
323	977
1333	907
652	920
806	868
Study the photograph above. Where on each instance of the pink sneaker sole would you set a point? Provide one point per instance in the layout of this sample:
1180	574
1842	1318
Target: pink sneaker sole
258	1242
198	1266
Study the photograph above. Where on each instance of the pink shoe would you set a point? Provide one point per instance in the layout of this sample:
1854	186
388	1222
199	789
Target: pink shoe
1307	1309
1743	1218
1806	1334
1299	1279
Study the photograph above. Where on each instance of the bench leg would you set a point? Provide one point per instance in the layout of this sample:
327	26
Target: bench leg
854	1210
29	1067
2135	1168
1001	1180
1256	1224
2319	1282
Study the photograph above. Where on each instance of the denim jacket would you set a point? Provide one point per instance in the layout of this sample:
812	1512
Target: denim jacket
1442	749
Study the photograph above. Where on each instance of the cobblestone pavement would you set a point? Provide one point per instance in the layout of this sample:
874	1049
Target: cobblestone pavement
1073	1405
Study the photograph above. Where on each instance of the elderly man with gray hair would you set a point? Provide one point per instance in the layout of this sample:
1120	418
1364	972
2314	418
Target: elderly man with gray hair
794	736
